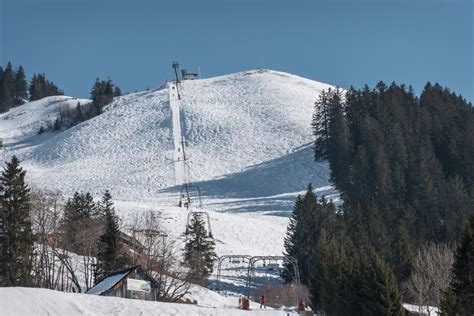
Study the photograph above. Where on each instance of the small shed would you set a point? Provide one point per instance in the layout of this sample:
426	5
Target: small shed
131	282
189	75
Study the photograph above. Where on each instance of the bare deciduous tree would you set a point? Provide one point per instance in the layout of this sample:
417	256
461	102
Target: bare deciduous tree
159	255
431	274
45	216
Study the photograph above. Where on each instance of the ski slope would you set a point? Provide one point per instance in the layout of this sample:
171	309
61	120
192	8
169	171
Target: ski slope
179	158
248	144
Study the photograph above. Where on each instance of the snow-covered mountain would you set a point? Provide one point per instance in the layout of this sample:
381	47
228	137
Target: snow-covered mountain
248	140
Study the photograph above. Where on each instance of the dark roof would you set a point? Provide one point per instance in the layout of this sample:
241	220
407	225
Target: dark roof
112	279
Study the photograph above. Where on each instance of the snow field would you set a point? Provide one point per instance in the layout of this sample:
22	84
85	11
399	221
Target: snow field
31	301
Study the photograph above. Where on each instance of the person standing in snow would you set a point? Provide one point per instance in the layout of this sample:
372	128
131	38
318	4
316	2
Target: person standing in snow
262	302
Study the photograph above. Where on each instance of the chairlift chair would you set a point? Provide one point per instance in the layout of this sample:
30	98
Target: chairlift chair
190	194
273	266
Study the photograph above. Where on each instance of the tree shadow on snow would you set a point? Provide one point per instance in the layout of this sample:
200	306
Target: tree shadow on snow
271	186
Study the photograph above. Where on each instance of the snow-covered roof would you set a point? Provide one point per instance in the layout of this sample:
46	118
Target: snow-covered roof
108	283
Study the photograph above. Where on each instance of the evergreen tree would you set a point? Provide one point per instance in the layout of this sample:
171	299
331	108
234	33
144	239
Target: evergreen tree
320	124
306	232
110	257
102	93
330	277
291	244
57	124
104	206
117	92
2	74
199	254
8	89
16	253
309	218
376	290
401	255
40	87
339	146
34	88
78	209
450	304
79	115
463	269
21	86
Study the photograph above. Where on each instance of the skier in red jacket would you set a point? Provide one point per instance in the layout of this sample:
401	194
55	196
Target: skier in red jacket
262	302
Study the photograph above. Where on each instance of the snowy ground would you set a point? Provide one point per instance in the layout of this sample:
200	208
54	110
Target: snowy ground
39	302
248	141
421	310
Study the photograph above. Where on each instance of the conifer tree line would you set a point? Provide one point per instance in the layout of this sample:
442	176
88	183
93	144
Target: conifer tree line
403	165
14	88
40	87
342	278
102	93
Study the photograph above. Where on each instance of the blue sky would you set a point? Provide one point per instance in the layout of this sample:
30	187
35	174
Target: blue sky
339	42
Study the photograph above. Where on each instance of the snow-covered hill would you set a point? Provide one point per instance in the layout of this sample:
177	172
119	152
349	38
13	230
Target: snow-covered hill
19	126
248	140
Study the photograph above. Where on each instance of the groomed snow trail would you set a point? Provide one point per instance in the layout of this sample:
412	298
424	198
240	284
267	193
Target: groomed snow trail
179	159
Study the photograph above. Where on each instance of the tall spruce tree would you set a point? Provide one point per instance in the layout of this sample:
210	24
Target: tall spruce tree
309	218
330	277
306	232
8	89
375	288
16	253
77	211
450	304
320	124
290	243
199	254
110	257
2	73
339	145
20	86
462	285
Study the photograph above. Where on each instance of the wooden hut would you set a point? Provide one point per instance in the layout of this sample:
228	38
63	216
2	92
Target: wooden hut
131	282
